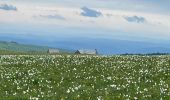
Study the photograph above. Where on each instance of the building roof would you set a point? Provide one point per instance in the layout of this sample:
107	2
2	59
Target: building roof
86	51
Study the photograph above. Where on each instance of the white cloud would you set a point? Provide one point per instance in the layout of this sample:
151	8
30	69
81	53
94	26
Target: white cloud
57	17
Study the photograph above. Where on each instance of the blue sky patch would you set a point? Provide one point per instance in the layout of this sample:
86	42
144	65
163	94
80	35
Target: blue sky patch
7	7
136	19
90	12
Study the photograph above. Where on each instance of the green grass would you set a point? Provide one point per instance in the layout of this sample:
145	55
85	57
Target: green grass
60	77
15	47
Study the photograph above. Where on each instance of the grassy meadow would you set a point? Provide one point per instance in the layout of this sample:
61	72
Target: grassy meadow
84	77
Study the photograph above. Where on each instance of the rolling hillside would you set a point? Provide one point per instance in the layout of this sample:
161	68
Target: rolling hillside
14	47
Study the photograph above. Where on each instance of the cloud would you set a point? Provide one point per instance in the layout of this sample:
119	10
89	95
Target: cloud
8	7
90	12
53	17
135	19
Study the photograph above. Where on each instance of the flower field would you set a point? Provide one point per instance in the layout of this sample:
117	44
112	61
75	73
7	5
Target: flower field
62	77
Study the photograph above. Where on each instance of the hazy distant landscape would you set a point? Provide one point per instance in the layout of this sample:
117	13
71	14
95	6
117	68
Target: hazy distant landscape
104	46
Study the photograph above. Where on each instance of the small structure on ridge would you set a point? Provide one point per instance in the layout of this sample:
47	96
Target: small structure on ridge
53	51
88	52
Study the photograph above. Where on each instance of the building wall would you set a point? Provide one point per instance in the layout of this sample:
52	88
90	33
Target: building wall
53	51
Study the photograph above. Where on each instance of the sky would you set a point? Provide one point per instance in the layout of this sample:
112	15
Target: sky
136	20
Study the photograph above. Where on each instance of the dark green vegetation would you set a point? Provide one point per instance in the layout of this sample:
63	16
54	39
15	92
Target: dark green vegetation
16	48
49	77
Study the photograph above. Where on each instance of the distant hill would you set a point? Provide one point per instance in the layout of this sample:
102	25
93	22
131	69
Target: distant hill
14	47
